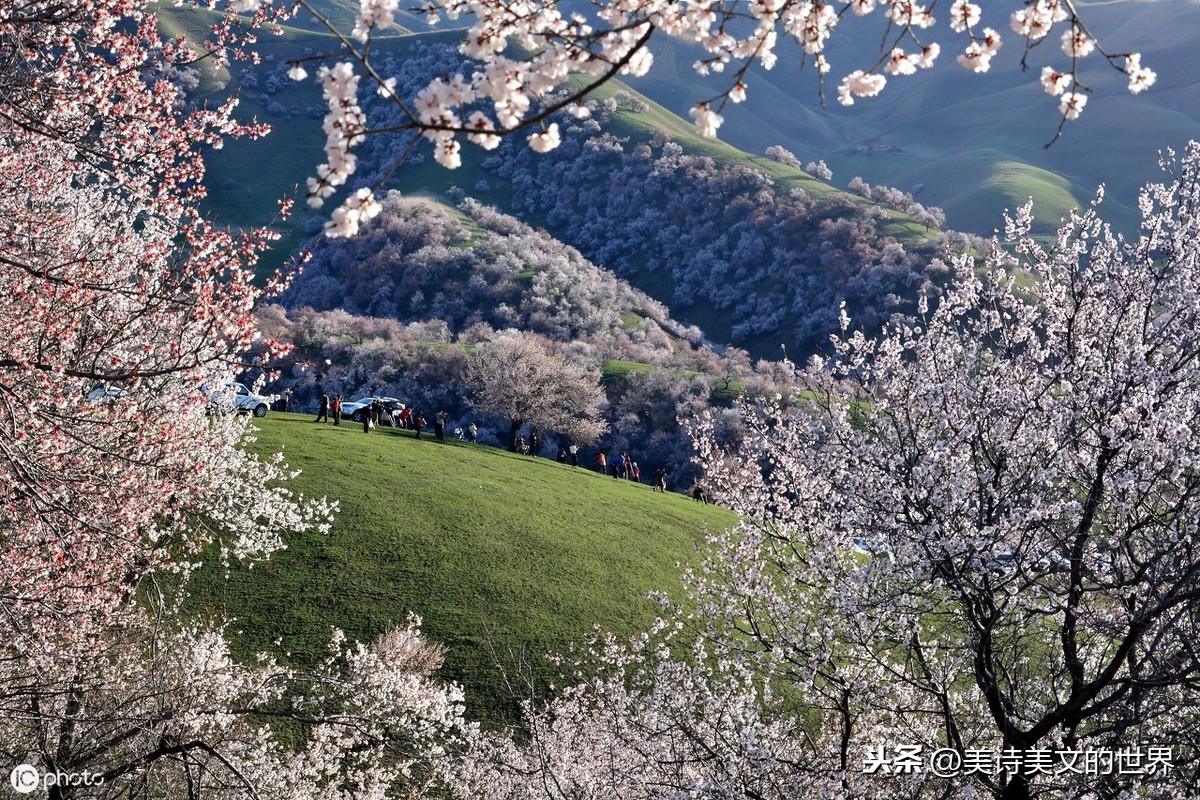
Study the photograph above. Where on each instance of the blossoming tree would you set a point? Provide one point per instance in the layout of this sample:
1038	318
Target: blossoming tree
120	305
539	57
517	378
968	565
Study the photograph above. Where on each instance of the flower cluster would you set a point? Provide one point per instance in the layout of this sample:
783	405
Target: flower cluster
374	14
860	84
978	55
344	125
358	208
506	92
707	121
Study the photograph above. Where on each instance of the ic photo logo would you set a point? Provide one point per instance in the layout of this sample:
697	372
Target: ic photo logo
25	778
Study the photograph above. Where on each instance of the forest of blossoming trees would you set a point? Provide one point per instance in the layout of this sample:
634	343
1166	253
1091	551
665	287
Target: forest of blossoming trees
968	531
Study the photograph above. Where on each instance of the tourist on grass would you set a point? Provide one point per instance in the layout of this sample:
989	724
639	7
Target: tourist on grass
635	474
472	432
323	412
618	465
439	424
287	400
602	463
418	420
337	409
660	480
574	451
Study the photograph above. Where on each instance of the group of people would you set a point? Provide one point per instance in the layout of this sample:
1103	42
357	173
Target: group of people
621	466
376	413
372	415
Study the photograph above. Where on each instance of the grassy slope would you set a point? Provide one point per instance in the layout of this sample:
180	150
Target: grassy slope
499	553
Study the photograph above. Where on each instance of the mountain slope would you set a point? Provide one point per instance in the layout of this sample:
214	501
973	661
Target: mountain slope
788	244
505	557
923	129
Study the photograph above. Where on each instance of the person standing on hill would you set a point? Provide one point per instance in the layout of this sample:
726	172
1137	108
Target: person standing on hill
660	480
574	451
337	409
635	474
472	432
406	417
368	423
323	412
602	463
439	424
535	442
618	464
287	400
418	422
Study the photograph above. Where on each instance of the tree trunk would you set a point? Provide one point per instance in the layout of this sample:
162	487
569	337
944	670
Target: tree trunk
1017	789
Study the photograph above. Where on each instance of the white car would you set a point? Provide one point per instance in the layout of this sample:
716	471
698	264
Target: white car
105	394
244	400
391	406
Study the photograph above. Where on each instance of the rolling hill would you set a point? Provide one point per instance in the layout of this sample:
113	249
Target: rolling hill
506	557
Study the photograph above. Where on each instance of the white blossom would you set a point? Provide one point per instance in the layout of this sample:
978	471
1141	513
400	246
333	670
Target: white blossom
1076	43
859	84
707	121
373	14
355	210
975	58
964	15
1072	104
1140	78
545	141
901	63
1055	82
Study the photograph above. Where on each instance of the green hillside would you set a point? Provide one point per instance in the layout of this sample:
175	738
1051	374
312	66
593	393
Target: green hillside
506	557
956	134
247	178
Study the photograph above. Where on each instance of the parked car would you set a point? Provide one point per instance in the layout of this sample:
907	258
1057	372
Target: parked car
999	563
244	400
1053	561
355	410
871	547
102	393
